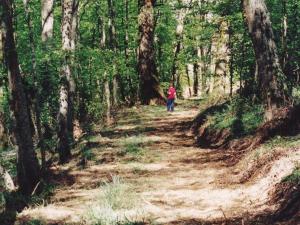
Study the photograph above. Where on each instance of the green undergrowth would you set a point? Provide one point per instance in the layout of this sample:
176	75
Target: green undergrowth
293	178
115	204
241	116
133	145
276	145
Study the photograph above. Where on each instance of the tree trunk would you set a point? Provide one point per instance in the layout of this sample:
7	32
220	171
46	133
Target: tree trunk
67	88
35	105
107	99
150	90
231	55
47	34
270	76
126	52
196	79
28	170
113	47
179	36
284	34
47	20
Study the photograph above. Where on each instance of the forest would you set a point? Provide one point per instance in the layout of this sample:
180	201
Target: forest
85	133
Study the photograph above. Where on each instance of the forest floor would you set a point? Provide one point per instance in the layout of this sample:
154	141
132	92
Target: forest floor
147	168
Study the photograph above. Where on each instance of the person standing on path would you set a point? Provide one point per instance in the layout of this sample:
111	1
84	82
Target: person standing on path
171	98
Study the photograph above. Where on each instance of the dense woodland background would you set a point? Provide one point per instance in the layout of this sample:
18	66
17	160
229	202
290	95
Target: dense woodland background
69	65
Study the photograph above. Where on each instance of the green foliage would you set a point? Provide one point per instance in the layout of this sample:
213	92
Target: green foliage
43	196
33	222
279	141
133	145
241	116
294	177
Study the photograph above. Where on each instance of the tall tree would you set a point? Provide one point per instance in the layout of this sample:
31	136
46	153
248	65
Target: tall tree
35	98
113	46
67	88
47	34
28	170
47	19
270	75
149	83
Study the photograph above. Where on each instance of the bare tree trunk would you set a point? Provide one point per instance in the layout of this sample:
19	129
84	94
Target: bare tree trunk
103	33
150	90
36	108
113	47
189	74
47	34
107	99
126	50
196	79
28	170
270	75
284	34
67	88
47	20
231	55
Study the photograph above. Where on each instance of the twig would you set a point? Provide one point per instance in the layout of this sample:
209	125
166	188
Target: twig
33	192
223	214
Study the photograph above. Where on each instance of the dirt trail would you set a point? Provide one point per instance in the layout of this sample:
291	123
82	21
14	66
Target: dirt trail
176	181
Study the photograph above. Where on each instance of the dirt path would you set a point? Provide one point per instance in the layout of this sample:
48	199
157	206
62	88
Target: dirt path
176	182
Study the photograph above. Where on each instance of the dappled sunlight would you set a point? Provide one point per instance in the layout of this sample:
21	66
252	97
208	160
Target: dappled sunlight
172	179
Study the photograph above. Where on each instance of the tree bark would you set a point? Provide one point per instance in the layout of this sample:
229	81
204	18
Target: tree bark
284	34
270	75
150	90
196	79
47	35
179	36
28	170
113	47
47	20
107	99
35	101
126	52
67	87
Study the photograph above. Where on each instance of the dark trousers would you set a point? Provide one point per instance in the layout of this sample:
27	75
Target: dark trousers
170	105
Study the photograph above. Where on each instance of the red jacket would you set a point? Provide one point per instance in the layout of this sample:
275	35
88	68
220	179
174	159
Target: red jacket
171	93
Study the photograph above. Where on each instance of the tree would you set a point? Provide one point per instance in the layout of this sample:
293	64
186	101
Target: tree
67	88
150	90
28	170
47	20
270	75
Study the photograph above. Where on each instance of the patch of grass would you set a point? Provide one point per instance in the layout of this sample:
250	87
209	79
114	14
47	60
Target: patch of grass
33	222
42	197
286	142
138	169
240	116
276	145
114	205
294	177
133	145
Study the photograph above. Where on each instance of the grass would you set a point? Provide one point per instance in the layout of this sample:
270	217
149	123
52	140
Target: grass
115	204
240	116
33	222
294	177
132	145
286	142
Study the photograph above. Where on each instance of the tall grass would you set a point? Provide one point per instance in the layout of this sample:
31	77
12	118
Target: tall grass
116	203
